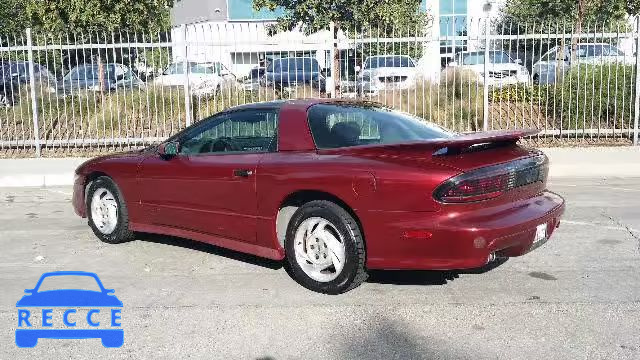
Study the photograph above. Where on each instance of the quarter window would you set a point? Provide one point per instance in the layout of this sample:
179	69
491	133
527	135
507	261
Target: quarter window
344	125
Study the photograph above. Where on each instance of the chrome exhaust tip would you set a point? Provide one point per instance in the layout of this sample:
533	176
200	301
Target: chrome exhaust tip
491	258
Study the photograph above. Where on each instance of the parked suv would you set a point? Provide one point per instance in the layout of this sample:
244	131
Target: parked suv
14	74
556	62
386	72
502	68
290	72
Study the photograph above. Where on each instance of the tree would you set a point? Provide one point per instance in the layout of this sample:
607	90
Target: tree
13	16
562	16
365	17
54	16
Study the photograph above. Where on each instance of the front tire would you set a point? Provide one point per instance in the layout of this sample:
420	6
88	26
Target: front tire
107	212
325	248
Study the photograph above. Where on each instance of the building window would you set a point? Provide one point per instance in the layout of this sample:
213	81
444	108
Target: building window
453	22
243	10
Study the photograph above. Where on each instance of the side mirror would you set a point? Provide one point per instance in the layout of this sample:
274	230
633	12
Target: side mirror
453	64
28	291
357	68
109	291
224	72
518	61
15	75
168	149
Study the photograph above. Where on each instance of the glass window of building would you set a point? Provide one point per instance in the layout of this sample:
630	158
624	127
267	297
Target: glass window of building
243	10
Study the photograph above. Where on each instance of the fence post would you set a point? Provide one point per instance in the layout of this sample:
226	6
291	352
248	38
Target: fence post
485	87
34	100
636	99
332	55
185	64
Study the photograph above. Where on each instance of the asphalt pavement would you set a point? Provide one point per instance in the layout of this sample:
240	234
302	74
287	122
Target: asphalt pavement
576	297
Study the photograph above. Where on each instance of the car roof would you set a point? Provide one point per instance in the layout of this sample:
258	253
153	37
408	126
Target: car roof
295	57
301	103
390	55
481	52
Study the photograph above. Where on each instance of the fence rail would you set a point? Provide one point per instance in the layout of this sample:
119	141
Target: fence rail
99	90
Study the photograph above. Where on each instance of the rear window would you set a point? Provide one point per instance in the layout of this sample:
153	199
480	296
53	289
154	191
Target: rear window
388	61
344	125
295	64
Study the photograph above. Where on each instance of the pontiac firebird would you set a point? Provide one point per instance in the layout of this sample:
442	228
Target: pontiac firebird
332	188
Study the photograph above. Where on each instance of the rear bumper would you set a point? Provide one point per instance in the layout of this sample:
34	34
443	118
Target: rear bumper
451	239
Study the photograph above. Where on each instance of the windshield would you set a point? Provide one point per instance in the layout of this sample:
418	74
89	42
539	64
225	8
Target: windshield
69	282
477	58
598	50
343	125
388	61
92	72
295	64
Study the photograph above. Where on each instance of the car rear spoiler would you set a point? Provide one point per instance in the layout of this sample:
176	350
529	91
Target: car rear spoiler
482	140
464	142
454	145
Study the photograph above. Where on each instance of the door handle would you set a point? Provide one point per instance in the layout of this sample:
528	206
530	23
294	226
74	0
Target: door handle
242	173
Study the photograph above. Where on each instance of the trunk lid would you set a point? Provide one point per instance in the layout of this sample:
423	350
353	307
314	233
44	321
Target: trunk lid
479	155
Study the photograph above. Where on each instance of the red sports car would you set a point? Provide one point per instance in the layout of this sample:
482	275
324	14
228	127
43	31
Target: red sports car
331	187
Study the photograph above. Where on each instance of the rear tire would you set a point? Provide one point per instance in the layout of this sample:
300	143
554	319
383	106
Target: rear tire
325	248
107	212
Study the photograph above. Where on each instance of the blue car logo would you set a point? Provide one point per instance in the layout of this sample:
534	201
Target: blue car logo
65	307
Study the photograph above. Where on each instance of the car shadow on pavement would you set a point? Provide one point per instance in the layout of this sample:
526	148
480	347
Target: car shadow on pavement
211	249
426	277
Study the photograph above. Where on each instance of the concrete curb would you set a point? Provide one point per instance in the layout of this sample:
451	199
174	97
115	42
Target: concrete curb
38	171
565	162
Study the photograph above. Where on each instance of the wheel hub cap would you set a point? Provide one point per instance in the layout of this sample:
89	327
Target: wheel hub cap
104	211
319	249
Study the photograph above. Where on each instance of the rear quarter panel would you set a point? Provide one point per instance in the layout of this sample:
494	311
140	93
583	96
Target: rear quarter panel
368	185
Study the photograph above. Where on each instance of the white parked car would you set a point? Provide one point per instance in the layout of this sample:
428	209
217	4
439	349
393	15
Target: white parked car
556	63
502	69
386	72
205	78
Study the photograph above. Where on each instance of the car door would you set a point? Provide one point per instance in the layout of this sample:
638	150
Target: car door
210	186
544	69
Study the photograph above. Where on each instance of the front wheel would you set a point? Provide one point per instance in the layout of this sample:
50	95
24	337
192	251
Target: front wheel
325	249
107	211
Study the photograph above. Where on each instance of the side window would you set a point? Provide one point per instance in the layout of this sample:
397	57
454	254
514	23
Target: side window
345	128
550	56
175	69
81	73
248	131
23	70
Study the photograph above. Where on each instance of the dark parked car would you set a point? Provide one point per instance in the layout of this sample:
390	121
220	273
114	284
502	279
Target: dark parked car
86	77
252	81
14	74
333	188
294	71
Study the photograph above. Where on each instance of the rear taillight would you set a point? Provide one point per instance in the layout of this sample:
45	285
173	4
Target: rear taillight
492	181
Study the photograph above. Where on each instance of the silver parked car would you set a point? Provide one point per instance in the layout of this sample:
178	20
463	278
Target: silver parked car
502	69
556	62
386	72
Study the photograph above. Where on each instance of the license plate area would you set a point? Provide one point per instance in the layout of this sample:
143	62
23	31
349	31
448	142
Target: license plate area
541	235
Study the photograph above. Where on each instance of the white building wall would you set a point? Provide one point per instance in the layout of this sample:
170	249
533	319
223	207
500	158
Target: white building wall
241	45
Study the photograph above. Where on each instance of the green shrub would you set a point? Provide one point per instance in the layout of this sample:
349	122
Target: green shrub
518	93
593	96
